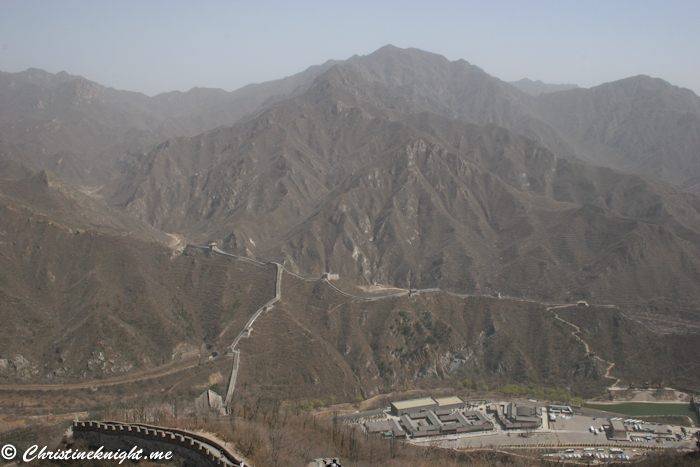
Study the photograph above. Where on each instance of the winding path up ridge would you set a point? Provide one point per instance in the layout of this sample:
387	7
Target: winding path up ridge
576	334
278	294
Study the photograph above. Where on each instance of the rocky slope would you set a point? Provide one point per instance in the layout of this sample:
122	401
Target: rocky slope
88	133
317	343
88	293
346	178
639	125
399	168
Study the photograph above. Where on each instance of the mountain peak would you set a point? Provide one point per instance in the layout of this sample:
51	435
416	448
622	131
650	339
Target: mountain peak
666	94
390	55
389	48
43	78
639	83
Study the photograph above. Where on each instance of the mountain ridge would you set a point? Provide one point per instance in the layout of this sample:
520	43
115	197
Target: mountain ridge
427	81
399	168
339	177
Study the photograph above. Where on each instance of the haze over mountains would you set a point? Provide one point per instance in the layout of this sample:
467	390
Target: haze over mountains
536	88
398	168
83	131
49	114
343	178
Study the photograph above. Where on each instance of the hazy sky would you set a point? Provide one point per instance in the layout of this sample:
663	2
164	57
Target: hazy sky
155	46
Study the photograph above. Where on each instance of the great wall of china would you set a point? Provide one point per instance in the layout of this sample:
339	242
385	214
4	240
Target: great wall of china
246	332
195	450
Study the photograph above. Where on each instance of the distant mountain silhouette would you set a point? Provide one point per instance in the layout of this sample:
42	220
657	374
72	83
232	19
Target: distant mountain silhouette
639	125
102	130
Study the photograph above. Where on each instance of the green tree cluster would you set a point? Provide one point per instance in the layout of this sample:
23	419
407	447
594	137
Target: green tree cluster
308	406
469	384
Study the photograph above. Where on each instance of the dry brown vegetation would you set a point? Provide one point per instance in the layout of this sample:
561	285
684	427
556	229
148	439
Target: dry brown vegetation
82	300
352	176
317	343
266	434
641	356
377	170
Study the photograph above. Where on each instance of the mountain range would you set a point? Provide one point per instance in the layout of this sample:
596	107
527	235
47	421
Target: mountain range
398	169
639	125
353	177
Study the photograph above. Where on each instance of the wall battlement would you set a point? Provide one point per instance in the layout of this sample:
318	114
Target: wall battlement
194	449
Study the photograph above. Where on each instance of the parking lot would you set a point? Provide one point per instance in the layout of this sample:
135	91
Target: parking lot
570	431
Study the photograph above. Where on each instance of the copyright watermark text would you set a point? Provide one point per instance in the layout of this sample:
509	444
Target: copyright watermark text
35	453
9	452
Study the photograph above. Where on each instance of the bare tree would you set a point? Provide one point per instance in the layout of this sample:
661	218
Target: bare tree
276	436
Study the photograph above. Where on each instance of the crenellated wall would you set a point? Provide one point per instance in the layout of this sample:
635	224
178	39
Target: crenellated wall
194	449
